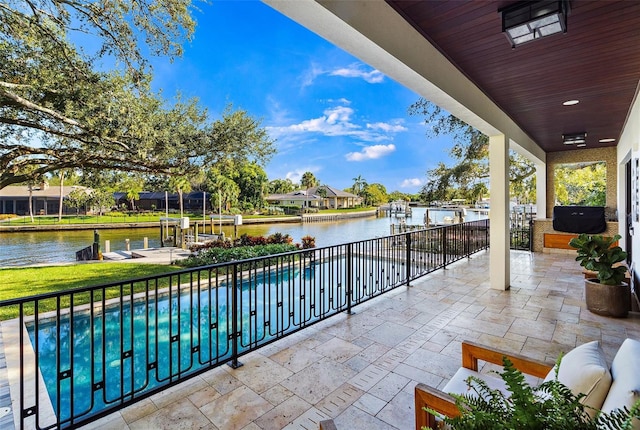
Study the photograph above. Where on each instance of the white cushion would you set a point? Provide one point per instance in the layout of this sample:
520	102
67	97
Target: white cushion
458	383
625	389
584	370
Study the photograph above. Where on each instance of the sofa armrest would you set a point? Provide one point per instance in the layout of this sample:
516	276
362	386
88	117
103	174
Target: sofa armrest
426	396
472	352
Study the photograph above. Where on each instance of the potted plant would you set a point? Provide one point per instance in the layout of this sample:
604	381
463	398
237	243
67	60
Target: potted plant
549	406
608	294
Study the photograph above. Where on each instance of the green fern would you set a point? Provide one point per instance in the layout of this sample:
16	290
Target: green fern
549	406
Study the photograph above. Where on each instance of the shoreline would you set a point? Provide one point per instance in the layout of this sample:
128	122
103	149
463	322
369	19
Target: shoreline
152	224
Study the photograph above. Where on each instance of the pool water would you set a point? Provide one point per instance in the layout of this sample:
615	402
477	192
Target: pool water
177	334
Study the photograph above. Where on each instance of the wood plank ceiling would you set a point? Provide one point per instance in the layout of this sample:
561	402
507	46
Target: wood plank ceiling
597	61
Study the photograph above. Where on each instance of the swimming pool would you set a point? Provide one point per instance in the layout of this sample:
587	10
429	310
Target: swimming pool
109	357
92	360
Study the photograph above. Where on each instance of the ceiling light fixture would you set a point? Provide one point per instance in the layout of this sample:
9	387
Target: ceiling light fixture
571	102
526	21
581	145
606	140
579	139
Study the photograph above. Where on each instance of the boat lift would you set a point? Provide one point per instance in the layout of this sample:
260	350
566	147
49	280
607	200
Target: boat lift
174	231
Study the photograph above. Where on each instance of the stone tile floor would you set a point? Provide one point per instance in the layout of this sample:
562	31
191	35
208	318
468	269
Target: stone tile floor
361	369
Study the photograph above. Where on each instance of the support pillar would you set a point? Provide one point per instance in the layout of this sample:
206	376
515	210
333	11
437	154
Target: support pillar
499	263
541	191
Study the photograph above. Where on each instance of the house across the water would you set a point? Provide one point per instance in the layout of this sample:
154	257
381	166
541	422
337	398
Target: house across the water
45	200
322	197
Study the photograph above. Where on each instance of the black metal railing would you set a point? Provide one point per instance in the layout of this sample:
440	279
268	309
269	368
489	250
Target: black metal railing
521	229
80	354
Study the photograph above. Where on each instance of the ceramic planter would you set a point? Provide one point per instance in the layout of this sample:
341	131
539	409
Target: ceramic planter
607	300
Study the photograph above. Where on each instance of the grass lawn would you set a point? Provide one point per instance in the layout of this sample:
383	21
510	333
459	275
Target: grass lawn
110	219
28	281
92	219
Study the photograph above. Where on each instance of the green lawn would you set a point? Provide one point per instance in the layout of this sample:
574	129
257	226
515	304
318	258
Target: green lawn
28	281
110	219
120	218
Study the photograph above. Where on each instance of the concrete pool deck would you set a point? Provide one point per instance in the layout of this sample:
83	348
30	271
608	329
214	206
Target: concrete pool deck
361	369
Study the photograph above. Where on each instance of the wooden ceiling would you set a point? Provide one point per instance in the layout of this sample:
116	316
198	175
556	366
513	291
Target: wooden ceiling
597	61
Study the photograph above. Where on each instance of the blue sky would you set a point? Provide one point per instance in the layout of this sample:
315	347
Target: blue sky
330	113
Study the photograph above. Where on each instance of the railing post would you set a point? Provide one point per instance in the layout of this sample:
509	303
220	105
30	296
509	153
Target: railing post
349	279
407	240
445	231
235	306
486	233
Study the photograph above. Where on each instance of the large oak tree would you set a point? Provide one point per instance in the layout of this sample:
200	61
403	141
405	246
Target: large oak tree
468	177
61	109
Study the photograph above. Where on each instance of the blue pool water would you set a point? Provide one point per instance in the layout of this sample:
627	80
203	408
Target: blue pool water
176	334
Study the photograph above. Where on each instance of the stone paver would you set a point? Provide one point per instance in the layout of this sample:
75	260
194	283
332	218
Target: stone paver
361	369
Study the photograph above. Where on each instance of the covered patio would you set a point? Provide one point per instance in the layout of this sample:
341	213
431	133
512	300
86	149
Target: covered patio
361	369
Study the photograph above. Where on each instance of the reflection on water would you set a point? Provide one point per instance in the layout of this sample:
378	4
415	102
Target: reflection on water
19	249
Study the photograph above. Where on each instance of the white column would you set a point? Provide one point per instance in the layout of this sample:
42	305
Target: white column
541	190
499	264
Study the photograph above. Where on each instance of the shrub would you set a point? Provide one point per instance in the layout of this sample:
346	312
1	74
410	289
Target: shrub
280	238
308	242
247	207
224	255
245	240
219	243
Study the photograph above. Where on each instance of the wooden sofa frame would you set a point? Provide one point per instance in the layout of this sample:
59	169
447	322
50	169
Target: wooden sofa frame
426	396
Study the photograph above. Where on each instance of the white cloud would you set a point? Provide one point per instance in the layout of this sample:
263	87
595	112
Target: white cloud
371	152
341	100
337	121
410	183
296	175
390	128
356	71
310	75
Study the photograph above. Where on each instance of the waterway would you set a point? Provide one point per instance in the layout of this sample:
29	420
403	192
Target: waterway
46	247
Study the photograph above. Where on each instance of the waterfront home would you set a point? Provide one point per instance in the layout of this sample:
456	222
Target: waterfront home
45	200
321	197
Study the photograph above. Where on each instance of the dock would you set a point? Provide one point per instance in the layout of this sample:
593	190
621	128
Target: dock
165	255
398	209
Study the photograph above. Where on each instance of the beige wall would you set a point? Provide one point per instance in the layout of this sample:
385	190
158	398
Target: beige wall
607	155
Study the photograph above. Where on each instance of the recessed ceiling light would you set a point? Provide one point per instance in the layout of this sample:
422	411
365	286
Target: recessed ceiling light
581	145
571	102
606	140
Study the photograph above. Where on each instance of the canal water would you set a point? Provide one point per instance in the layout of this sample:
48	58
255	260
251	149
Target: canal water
31	248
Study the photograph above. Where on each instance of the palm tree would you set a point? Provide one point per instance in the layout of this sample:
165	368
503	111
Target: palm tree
182	185
359	184
133	187
33	180
308	180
